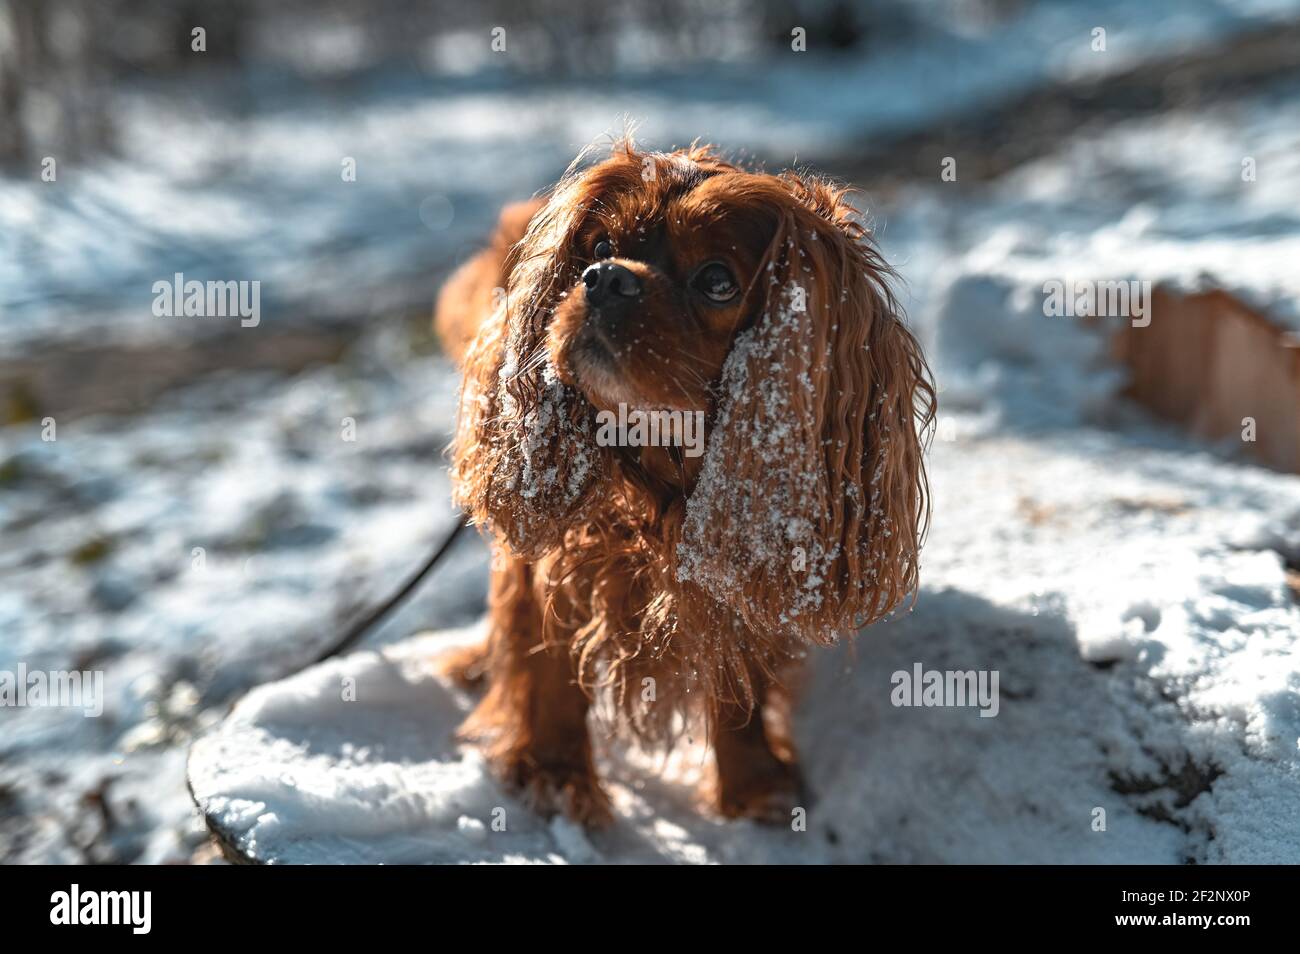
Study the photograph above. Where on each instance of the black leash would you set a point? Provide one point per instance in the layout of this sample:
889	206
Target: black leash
362	626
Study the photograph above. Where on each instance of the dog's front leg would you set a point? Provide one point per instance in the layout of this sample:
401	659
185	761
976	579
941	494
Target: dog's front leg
533	719
757	773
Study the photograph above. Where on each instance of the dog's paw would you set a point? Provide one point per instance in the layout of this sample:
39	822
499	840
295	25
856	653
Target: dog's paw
767	795
558	789
575	794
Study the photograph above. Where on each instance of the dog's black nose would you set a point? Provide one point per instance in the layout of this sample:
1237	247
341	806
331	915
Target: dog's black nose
609	283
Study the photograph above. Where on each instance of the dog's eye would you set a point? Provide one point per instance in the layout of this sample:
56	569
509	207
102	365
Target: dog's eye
604	250
716	283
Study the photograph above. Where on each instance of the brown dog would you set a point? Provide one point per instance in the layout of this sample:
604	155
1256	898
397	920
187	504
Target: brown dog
638	572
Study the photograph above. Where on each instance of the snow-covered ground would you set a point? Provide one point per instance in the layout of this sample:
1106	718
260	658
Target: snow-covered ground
1132	601
1185	200
221	539
250	187
1128	585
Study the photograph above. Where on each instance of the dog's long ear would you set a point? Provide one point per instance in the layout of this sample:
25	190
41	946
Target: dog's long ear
525	462
812	498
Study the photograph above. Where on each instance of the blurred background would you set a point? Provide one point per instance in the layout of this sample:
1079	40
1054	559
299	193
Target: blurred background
193	505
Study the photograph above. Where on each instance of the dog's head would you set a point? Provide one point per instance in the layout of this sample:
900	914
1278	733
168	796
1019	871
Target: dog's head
682	282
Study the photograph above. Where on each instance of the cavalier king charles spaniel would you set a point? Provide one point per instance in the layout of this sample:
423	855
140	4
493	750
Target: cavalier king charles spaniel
635	580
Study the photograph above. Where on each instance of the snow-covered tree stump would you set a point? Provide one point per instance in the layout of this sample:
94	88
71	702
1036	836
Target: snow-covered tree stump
354	760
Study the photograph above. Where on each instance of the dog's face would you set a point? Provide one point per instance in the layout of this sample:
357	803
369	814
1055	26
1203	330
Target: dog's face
666	272
681	282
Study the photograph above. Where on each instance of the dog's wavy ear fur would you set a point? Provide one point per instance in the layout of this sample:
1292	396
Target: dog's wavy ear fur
812	500
524	461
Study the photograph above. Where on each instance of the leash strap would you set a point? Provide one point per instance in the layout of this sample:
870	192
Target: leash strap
362	626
